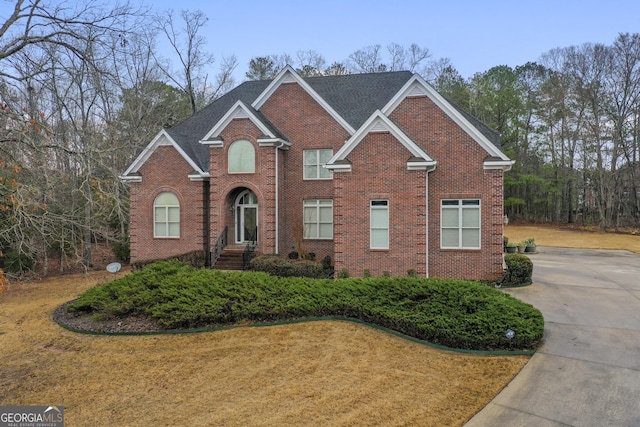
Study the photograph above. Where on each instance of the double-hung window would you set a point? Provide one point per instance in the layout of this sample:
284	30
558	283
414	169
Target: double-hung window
318	219
460	224
166	216
379	224
314	160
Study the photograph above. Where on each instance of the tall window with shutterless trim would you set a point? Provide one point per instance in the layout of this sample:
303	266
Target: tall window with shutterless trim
166	216
379	224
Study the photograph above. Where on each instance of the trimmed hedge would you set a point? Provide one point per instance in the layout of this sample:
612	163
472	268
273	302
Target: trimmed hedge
281	267
195	259
458	314
519	270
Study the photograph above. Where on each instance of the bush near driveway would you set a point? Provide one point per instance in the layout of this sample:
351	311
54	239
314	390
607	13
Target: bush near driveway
453	313
519	270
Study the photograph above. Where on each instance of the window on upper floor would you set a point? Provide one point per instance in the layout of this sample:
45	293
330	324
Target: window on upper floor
242	157
460	224
166	216
314	160
379	224
318	219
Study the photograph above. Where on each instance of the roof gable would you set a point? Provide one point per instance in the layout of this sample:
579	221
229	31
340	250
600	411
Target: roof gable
288	75
378	122
238	111
162	139
417	86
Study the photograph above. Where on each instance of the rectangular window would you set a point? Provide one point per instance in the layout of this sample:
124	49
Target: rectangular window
318	219
460	224
167	221
314	160
379	228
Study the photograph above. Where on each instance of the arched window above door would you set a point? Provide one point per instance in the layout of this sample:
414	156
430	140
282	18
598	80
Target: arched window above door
242	157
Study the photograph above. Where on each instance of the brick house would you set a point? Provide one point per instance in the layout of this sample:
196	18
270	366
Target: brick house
378	171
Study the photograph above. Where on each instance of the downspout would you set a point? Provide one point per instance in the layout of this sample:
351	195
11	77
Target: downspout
277	181
206	187
429	170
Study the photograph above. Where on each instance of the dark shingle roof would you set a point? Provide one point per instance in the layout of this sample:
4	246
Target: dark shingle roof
354	97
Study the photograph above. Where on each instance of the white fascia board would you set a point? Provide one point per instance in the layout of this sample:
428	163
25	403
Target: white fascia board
380	122
133	178
195	177
238	111
505	165
274	142
151	148
421	166
340	167
287	75
417	84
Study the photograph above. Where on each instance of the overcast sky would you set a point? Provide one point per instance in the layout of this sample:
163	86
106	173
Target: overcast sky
476	35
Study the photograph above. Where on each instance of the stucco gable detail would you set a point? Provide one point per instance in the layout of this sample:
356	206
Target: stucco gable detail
289	75
162	139
417	86
378	122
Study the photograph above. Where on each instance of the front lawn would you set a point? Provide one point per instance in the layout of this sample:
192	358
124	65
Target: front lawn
458	314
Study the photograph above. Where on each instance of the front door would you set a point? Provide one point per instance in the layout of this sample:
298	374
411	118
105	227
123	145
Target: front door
246	208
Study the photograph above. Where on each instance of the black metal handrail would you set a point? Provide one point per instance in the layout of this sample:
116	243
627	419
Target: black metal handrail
221	243
250	248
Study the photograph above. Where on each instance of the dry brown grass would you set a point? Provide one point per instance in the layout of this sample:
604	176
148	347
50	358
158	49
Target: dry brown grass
566	238
315	373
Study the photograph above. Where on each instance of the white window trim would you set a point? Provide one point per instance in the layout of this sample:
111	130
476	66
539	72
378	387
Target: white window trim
319	165
166	223
460	207
229	162
371	228
315	203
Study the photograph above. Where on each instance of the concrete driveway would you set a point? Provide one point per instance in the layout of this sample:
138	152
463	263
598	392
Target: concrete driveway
587	372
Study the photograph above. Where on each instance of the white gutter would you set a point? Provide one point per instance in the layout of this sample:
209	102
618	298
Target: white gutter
277	229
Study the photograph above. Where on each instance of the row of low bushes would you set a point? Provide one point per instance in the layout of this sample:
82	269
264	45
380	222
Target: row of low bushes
292	267
453	313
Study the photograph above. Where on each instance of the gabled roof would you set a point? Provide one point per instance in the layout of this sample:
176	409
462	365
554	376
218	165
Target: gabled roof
288	75
350	99
241	111
482	134
162	139
378	122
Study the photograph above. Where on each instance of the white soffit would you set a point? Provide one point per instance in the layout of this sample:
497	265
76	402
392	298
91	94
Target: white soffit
378	122
162	139
289	75
238	111
417	86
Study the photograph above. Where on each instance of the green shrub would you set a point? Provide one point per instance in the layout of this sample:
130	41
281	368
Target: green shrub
195	259
278	266
460	314
121	251
519	270
343	274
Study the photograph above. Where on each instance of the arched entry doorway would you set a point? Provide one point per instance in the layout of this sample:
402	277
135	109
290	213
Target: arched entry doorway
246	217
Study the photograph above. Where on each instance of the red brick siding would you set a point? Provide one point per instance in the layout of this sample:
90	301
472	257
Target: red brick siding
459	174
307	126
225	187
379	171
165	170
